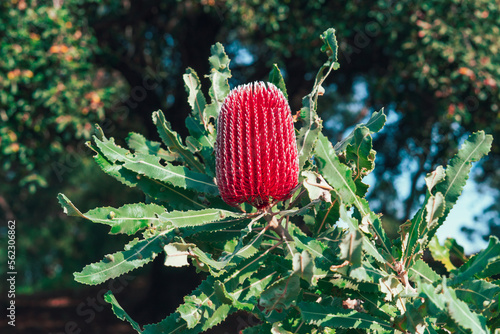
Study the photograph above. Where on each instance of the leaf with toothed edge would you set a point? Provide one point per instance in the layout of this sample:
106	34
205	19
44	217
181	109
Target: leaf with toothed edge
457	172
127	219
374	125
140	144
201	217
149	165
196	99
173	141
136	254
219	75
335	317
120	312
312	124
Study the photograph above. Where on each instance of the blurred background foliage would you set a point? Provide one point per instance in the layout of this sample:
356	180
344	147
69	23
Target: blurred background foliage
67	64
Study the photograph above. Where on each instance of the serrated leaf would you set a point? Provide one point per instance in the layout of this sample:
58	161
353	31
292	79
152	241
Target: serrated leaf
219	74
339	176
174	143
178	176
136	254
435	209
359	152
276	78
391	287
190	311
242	250
477	263
140	144
68	207
311	126
457	172
461	313
444	299
374	125
481	296
336	317
421	271
368	245
202	308
128	219
149	165
119	311
435	177
196	99
201	217
441	253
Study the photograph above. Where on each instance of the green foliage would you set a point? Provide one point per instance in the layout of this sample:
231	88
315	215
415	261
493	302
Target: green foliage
49	98
295	279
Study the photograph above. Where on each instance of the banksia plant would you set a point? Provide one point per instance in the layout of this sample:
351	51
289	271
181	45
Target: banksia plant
256	152
288	263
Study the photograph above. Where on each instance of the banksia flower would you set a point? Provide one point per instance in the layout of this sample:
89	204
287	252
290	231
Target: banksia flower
256	157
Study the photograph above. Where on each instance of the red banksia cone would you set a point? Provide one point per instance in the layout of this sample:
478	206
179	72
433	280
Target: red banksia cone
256	159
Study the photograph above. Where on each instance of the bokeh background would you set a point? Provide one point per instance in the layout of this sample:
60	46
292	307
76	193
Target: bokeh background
68	64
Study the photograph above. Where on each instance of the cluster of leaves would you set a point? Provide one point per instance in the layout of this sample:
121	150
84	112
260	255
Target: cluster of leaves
49	96
51	92
293	267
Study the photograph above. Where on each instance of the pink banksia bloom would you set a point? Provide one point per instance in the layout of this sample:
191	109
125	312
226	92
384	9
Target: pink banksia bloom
256	157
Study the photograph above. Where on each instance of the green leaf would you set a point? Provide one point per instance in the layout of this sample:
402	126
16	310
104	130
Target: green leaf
172	197
316	186
196	99
435	209
351	248
276	78
176	254
311	123
421	271
136	254
391	287
360	154
481	296
120	312
202	217
444	299
219	75
128	219
460	312
149	165
178	176
281	295
338	175
457	172
303	266
68	207
477	263
336	317
374	125
201	310
435	177
174	143
475	147
442	253
140	144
